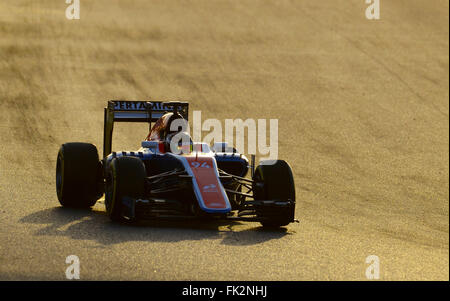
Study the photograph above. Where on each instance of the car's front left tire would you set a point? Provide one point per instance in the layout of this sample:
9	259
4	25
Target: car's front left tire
274	183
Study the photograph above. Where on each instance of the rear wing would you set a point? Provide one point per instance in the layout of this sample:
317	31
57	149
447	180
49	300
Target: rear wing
137	111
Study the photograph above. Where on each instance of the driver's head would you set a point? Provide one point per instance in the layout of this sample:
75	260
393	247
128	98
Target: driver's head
178	142
177	139
175	124
166	124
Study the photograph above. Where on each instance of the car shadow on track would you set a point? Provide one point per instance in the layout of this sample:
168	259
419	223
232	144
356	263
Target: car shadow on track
81	224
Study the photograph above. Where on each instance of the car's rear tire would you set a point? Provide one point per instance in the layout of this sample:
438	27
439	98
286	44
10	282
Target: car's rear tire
275	182
125	178
77	175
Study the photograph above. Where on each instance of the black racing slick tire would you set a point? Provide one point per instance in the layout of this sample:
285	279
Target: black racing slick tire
275	182
125	178
77	175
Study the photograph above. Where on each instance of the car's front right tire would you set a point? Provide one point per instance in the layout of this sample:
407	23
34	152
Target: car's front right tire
125	178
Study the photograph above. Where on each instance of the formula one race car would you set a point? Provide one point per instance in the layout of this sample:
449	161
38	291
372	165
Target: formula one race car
165	179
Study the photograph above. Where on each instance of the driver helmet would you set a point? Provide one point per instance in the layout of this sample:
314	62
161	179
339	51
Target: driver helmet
176	139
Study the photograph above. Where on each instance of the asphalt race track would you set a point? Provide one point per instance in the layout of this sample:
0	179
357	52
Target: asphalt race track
363	110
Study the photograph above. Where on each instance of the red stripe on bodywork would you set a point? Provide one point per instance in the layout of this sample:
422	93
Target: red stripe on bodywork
207	181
